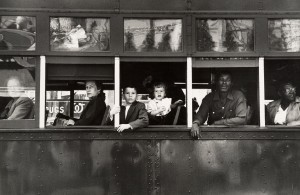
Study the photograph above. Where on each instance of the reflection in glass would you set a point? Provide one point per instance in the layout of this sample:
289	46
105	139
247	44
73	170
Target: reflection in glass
80	34
153	35
284	35
59	102
225	35
17	33
17	88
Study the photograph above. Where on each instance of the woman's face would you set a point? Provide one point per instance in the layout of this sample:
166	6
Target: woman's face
91	89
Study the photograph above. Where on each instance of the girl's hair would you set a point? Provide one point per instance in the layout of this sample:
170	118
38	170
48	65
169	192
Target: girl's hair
160	85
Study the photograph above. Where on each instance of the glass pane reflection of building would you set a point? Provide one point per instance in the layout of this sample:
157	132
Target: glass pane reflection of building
17	88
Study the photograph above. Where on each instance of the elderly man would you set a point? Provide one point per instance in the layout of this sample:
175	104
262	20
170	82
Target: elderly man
224	106
20	106
286	110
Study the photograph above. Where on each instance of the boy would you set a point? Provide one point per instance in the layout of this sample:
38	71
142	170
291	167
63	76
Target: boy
133	115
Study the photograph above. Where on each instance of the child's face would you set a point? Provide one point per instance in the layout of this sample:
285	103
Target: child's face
130	95
159	93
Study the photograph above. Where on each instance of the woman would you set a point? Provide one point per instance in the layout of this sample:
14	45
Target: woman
95	109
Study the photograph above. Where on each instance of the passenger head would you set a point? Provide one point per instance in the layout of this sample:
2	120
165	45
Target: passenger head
14	87
224	81
93	88
159	91
130	94
287	92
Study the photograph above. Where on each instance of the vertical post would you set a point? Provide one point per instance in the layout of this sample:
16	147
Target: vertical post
189	94
261	86
42	92
117	89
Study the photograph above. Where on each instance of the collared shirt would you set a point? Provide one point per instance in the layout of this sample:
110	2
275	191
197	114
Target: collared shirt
280	116
232	112
293	111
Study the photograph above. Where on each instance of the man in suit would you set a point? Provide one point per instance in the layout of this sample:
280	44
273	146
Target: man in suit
133	114
20	106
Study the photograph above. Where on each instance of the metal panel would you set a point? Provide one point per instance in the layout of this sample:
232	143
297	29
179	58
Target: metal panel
239	5
177	5
278	5
105	162
59	4
230	167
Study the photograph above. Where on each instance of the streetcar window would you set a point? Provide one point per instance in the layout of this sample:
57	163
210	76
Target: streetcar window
159	84
153	35
284	35
281	94
225	35
17	33
17	88
79	34
80	93
211	78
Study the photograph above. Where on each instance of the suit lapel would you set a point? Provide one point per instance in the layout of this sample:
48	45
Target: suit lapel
130	111
122	114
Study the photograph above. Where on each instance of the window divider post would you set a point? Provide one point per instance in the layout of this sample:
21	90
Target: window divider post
189	87
42	92
261	87
117	89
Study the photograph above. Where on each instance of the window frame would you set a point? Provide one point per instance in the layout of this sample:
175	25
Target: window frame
28	123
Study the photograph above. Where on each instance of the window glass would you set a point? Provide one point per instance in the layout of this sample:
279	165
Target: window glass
79	34
225	95
284	35
17	33
281	92
161	87
153	35
60	101
225	35
17	88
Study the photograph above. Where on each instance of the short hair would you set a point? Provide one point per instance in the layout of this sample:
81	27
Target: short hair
97	83
160	85
129	86
282	85
223	72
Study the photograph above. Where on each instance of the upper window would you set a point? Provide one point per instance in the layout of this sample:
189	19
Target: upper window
17	33
17	88
153	35
225	35
284	35
79	34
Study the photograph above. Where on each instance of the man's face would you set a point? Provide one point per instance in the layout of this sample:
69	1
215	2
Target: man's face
14	88
130	95
288	93
224	83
